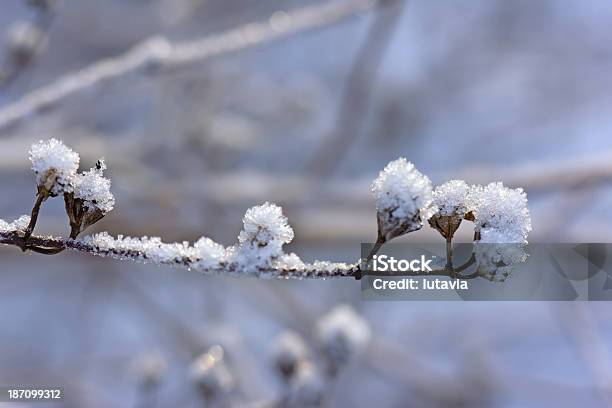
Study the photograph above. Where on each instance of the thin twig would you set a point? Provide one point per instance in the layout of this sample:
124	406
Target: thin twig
34	217
54	245
158	53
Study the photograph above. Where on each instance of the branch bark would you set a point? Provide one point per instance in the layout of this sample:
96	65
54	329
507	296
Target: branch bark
53	245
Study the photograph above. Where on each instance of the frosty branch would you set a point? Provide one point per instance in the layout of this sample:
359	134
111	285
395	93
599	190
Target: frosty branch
404	198
159	53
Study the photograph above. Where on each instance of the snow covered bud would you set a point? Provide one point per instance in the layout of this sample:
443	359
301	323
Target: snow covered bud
210	254
504	210
452	201
265	232
289	351
498	253
90	199
55	166
211	375
503	224
342	334
403	199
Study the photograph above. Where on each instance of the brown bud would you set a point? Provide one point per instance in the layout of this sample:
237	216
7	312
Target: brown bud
446	225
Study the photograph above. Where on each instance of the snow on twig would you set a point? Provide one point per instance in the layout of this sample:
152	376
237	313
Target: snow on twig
404	200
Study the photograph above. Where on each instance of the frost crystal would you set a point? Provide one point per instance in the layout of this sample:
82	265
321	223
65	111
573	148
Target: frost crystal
498	253
205	255
451	198
290	262
451	202
403	198
288	352
342	333
54	164
19	224
265	232
209	253
94	189
502	210
151	249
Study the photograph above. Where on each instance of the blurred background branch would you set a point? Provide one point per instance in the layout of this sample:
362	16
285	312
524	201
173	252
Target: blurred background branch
157	53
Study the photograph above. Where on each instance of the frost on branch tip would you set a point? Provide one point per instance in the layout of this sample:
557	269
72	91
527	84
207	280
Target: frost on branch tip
504	210
209	254
503	223
55	166
342	334
403	199
90	199
451	198
265	232
498	253
94	189
452	201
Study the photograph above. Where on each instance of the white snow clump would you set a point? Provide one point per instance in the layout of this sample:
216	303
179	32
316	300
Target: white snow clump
19	224
55	166
403	199
94	189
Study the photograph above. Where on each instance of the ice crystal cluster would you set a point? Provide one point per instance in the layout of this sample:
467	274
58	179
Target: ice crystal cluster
342	334
94	189
19	224
496	261
403	199
452	198
150	249
55	166
265	232
208	254
451	202
501	214
87	195
258	251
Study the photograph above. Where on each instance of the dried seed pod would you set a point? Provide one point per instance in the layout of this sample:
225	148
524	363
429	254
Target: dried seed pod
403	199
